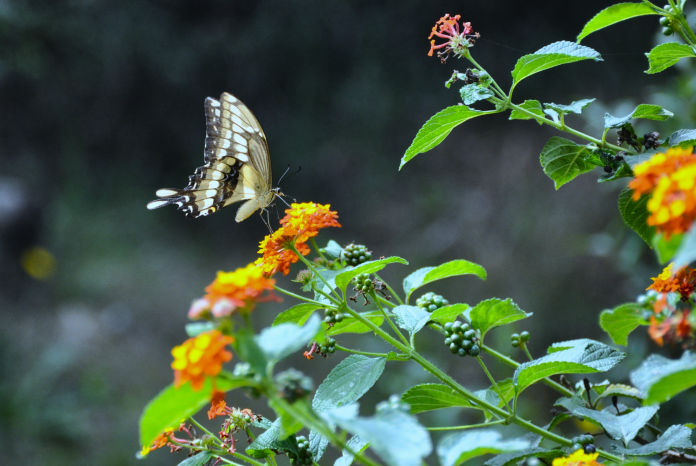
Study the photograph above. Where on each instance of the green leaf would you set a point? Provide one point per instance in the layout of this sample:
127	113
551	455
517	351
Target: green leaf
676	436
624	427
472	93
509	459
495	312
576	106
621	321
297	314
533	106
410	318
550	56
458	448
663	56
635	214
619	389
665	249
270	440
425	275
583	356
641	112
343	278
173	405
396	437
282	340
686	253
661	378
332	249
355	444
681	136
347	382
436	129
200	459
352	325
614	14
431	396
448	313
563	160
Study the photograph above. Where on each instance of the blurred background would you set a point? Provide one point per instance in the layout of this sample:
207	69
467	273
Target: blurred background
101	104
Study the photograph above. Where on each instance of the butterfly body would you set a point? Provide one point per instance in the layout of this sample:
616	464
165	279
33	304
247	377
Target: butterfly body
237	165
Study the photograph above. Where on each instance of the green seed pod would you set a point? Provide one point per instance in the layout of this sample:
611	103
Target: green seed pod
453	347
474	350
524	336
461	352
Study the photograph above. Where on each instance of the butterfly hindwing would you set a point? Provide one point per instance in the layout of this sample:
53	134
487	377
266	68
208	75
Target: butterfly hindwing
237	164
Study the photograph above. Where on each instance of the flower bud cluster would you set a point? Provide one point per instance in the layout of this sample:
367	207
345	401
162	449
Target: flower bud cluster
304	455
519	339
462	339
294	385
363	283
332	316
431	301
356	254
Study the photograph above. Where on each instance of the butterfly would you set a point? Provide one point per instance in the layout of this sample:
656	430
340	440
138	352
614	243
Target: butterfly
237	165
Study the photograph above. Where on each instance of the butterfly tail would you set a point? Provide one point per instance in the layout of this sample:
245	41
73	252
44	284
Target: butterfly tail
167	197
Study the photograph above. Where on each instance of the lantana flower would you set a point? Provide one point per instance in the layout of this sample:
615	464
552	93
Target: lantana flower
578	458
683	281
232	291
302	221
456	40
161	440
670	179
671	321
200	357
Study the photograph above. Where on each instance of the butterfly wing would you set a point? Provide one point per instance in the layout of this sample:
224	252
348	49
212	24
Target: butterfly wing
237	164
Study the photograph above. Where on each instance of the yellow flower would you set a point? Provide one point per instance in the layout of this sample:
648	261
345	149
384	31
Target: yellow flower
578	458
200	357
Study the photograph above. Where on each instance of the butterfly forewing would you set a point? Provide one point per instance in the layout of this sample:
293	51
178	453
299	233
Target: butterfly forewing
237	164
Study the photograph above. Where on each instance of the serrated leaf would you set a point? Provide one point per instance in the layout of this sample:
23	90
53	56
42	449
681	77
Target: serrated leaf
624	427
297	314
676	436
352	325
410	318
436	129
682	135
563	160
509	459
458	448
665	249
641	112
635	214
396	437
533	106
583	356
317	444
662	379
425	275
666	55
576	106
173	405
332	249
686	253
347	382
199	459
432	396
270	440
550	56
621	321
495	312
448	313
472	93
282	340
343	278
614	14
619	389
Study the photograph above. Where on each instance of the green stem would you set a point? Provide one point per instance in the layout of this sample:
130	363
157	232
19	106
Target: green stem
493	382
391	290
405	357
468	426
526	351
314	270
300	297
316	248
503	95
386	316
385	301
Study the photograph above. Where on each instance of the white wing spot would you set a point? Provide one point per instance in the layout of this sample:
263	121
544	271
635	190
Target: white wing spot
225	143
210	193
228	134
214	103
164	192
238	138
240	148
237	120
207	203
242	157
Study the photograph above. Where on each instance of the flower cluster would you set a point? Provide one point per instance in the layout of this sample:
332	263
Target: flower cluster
670	179
671	317
301	222
578	458
200	357
456	40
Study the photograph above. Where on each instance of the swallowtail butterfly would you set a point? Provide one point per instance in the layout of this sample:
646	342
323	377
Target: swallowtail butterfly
237	165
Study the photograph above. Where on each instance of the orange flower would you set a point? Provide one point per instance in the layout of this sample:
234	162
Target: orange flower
658	330
230	291
200	357
218	407
159	441
682	282
456	41
301	222
671	180
578	458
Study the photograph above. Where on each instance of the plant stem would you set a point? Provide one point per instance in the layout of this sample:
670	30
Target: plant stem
369	353
386	316
493	382
468	426
391	290
311	267
316	248
300	297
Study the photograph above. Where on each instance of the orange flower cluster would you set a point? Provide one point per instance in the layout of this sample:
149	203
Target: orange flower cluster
682	282
457	40
671	180
301	222
578	458
200	357
159	441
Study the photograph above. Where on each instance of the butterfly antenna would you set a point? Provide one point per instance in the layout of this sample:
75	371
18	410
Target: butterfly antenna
287	169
